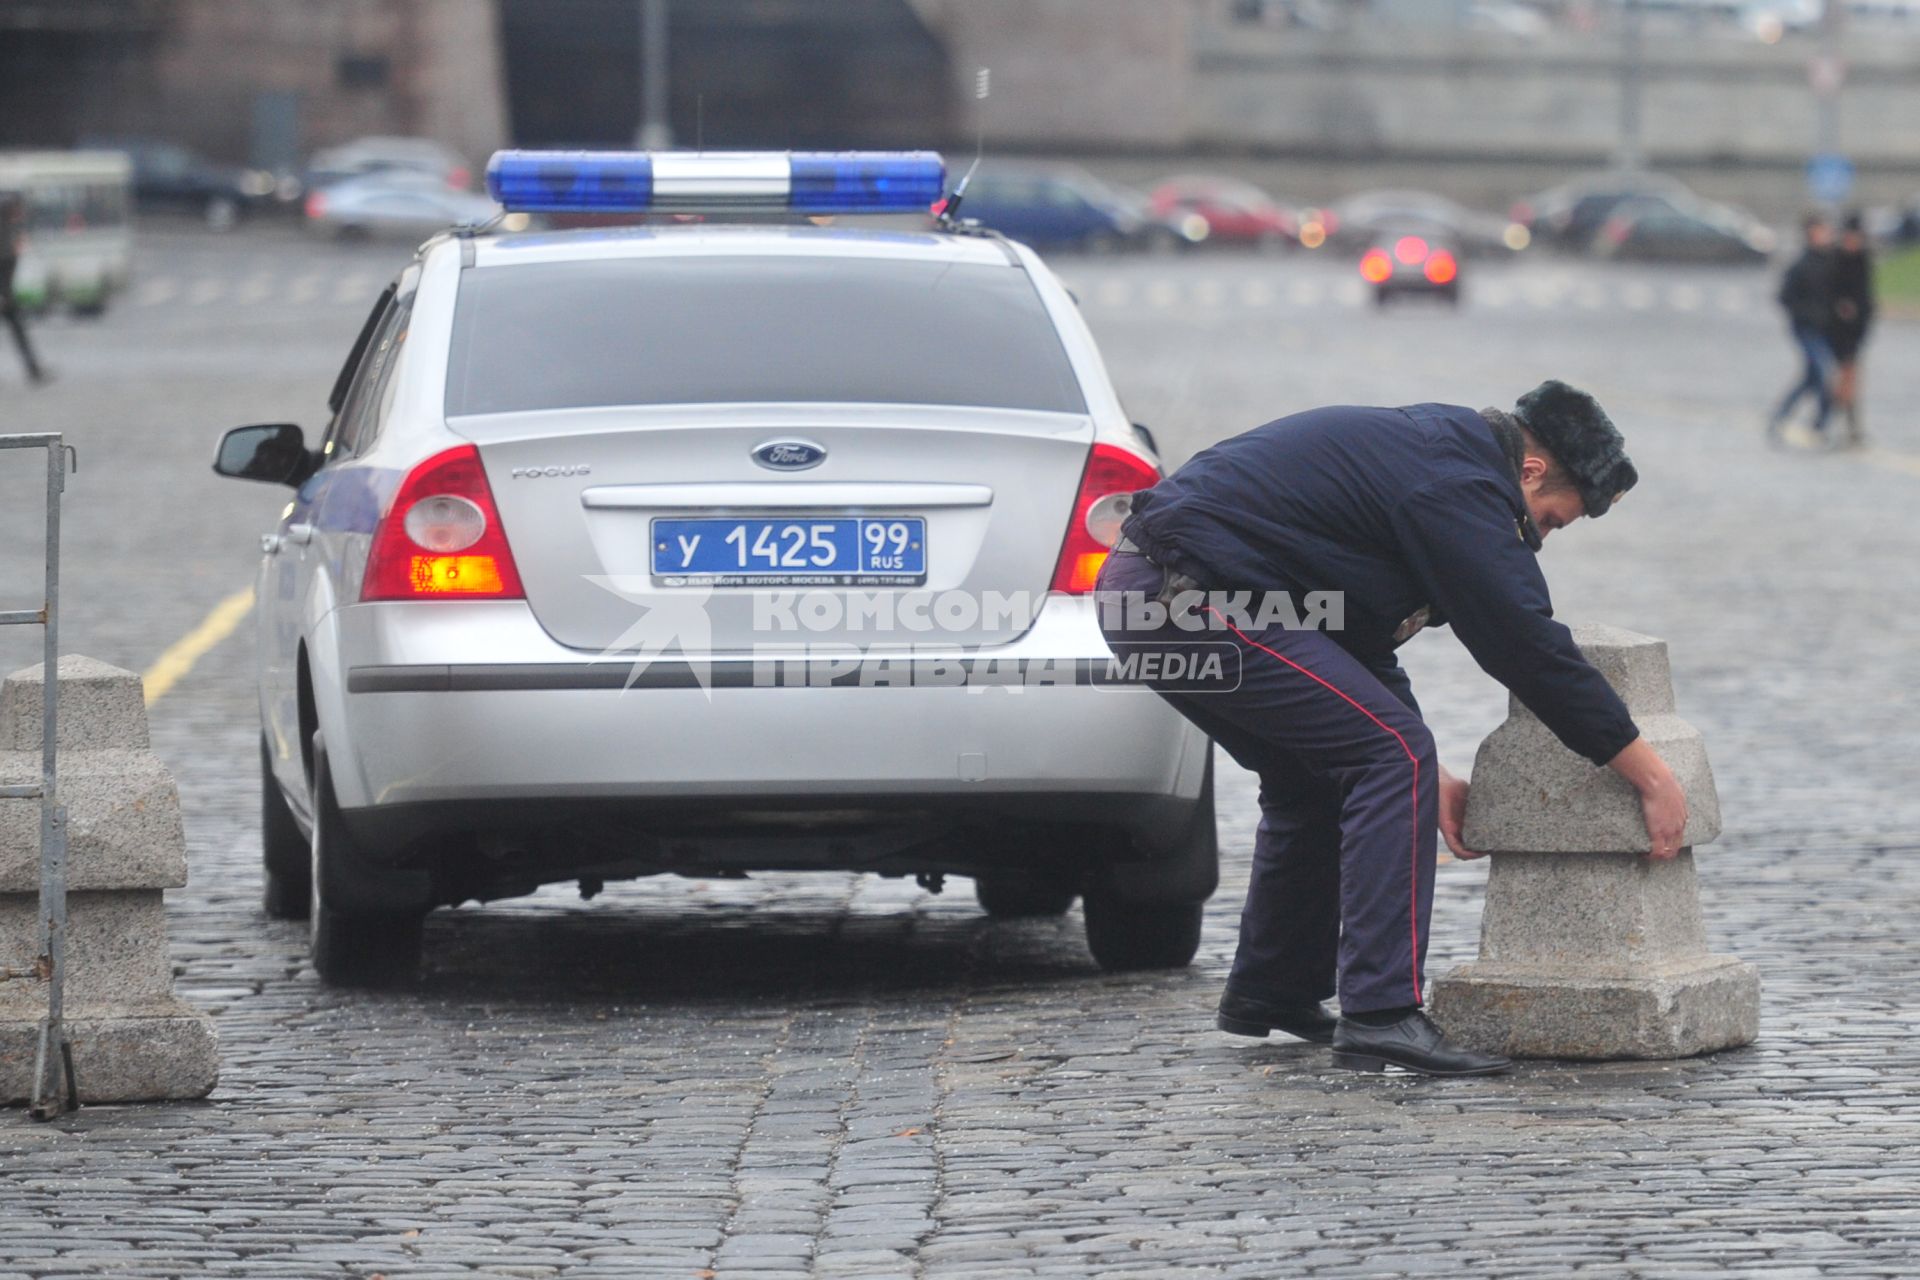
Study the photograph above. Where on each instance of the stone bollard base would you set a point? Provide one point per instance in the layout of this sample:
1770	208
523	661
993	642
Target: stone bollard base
161	1050
1697	1006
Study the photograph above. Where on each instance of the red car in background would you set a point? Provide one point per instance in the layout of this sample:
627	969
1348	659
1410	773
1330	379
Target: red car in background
1217	210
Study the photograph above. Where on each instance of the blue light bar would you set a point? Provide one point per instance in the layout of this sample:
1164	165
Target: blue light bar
814	182
573	181
865	181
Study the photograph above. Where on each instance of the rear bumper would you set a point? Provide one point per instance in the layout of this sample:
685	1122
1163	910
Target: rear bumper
444	705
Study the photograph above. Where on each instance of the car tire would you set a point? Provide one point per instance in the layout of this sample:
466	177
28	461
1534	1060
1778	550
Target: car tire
286	856
1125	936
351	948
1014	895
1148	915
222	212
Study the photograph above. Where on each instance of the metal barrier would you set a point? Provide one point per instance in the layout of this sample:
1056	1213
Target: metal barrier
53	1062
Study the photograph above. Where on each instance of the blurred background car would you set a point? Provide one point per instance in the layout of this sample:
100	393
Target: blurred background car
1055	206
1659	229
1362	220
170	178
1408	261
397	203
1225	211
1895	224
1567	215
388	154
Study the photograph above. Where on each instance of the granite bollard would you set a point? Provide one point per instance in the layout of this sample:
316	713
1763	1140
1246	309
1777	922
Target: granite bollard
132	1039
1588	948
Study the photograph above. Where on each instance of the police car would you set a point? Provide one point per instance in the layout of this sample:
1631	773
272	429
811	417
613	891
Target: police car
712	548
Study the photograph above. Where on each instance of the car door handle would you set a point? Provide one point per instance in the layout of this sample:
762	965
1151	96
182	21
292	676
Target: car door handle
300	533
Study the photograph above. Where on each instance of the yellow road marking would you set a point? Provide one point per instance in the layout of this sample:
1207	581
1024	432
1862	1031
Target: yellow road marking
168	669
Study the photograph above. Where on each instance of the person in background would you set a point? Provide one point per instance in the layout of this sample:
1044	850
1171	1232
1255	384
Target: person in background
1853	317
12	214
1807	294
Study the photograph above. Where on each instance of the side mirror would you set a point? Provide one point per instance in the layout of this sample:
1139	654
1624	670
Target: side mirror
276	453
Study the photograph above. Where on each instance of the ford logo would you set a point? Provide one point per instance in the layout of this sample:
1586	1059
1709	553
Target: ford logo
789	455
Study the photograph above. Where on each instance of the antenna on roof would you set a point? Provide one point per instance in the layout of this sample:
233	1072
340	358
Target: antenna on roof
948	209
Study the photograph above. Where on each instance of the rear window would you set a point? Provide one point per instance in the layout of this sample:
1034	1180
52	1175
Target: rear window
695	330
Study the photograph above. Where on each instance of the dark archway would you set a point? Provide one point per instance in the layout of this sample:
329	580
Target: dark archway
774	74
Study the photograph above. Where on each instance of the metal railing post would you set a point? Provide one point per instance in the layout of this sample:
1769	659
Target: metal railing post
53	1060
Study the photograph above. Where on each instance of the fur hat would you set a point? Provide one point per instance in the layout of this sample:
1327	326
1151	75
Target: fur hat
1571	425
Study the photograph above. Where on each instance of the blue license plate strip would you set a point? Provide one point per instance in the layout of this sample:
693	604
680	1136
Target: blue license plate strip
791	551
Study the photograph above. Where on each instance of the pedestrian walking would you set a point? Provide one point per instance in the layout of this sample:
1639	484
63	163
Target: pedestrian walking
1853	318
12	216
1807	294
1418	516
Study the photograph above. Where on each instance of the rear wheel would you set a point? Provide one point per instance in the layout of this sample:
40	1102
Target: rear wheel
222	212
1147	915
351	946
1142	935
1010	895
286	859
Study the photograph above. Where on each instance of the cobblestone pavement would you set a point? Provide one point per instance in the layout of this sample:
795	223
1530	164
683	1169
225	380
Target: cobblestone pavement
836	1076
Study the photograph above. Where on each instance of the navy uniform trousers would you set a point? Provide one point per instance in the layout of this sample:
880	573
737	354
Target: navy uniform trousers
1343	862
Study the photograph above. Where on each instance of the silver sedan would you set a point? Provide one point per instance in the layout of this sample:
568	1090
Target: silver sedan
711	549
394	203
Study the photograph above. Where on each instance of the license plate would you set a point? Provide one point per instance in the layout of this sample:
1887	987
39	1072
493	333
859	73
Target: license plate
787	551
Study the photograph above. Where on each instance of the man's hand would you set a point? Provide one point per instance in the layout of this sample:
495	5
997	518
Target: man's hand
1453	812
1662	802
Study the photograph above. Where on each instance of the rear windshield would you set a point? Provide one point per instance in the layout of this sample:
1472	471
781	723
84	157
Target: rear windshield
694	330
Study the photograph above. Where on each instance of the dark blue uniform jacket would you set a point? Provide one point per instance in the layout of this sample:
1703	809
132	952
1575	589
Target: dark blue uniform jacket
1399	509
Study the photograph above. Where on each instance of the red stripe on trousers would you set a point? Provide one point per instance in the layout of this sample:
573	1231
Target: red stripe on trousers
1413	861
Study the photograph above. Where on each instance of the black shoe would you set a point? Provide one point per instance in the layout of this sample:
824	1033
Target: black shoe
1413	1043
1250	1016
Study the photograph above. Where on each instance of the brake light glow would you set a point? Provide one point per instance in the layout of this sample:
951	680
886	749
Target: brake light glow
1441	268
1376	266
441	538
1410	250
316	205
1110	469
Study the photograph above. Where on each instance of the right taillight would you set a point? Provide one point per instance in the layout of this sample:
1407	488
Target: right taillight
441	539
1110	469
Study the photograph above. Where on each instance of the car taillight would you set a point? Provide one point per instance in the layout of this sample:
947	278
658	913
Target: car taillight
1110	469
316	205
441	539
1376	266
1411	250
1441	268
1615	232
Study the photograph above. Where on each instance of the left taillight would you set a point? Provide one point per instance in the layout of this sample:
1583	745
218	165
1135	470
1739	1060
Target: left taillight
441	539
1110	470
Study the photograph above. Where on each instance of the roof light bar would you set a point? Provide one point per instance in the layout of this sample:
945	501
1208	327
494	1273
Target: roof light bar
640	181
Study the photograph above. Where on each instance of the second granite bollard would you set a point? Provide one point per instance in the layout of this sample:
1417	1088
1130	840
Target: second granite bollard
133	1039
1588	948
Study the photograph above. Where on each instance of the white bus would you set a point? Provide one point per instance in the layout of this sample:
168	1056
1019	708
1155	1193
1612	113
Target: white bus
77	246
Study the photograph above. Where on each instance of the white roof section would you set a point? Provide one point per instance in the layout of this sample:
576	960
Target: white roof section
735	240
